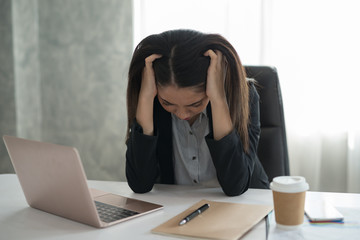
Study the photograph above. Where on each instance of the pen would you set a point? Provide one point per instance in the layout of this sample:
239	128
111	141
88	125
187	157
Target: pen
194	214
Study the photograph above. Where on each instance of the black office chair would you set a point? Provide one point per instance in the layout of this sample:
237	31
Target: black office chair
272	149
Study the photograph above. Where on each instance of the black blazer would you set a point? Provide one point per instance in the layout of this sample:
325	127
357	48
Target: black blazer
149	159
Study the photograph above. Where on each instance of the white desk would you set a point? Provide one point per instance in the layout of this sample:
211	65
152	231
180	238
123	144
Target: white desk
19	221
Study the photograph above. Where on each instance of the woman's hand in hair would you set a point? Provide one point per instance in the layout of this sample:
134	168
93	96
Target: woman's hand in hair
216	76
148	85
144	111
222	124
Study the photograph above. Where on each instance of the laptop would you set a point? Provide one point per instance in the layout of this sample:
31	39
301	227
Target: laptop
53	180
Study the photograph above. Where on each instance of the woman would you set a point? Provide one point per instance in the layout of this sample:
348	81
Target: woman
193	117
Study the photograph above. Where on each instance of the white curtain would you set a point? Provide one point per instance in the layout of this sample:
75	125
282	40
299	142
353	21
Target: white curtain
315	47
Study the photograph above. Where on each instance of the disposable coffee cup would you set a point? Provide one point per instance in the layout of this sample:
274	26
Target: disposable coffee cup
289	200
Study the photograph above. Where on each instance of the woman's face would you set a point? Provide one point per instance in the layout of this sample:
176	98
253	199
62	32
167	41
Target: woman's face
185	103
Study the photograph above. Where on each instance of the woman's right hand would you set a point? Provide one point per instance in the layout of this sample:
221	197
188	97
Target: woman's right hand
148	89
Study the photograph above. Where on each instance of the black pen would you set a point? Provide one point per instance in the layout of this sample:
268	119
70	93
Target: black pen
194	214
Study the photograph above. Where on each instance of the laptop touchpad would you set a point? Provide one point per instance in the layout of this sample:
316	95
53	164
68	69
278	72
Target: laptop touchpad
127	203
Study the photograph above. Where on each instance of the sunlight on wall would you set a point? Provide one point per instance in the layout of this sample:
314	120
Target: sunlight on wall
316	50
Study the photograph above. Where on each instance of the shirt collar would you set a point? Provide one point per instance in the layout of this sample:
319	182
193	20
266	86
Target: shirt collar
203	114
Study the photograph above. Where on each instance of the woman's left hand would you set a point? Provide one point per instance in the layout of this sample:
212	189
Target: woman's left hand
216	76
215	90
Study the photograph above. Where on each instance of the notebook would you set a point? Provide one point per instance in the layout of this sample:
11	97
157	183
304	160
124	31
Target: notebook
53	180
222	220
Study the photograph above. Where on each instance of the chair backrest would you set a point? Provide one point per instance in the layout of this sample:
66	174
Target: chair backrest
272	149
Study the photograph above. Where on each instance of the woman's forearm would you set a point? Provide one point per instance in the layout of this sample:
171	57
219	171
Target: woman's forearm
222	124
144	115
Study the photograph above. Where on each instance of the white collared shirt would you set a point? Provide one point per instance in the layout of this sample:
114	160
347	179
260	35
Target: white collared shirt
192	161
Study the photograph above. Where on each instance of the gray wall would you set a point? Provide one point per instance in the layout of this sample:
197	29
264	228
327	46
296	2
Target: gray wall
7	82
63	69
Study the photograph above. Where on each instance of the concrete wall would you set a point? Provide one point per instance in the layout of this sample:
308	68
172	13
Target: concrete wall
65	78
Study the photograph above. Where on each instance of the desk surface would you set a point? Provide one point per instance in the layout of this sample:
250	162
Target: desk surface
19	221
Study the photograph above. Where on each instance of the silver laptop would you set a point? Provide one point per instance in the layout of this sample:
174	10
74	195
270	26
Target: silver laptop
53	180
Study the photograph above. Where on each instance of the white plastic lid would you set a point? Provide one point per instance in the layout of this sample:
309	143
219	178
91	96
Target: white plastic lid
289	184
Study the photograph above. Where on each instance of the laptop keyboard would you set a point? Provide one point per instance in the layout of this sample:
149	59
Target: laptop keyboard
109	213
